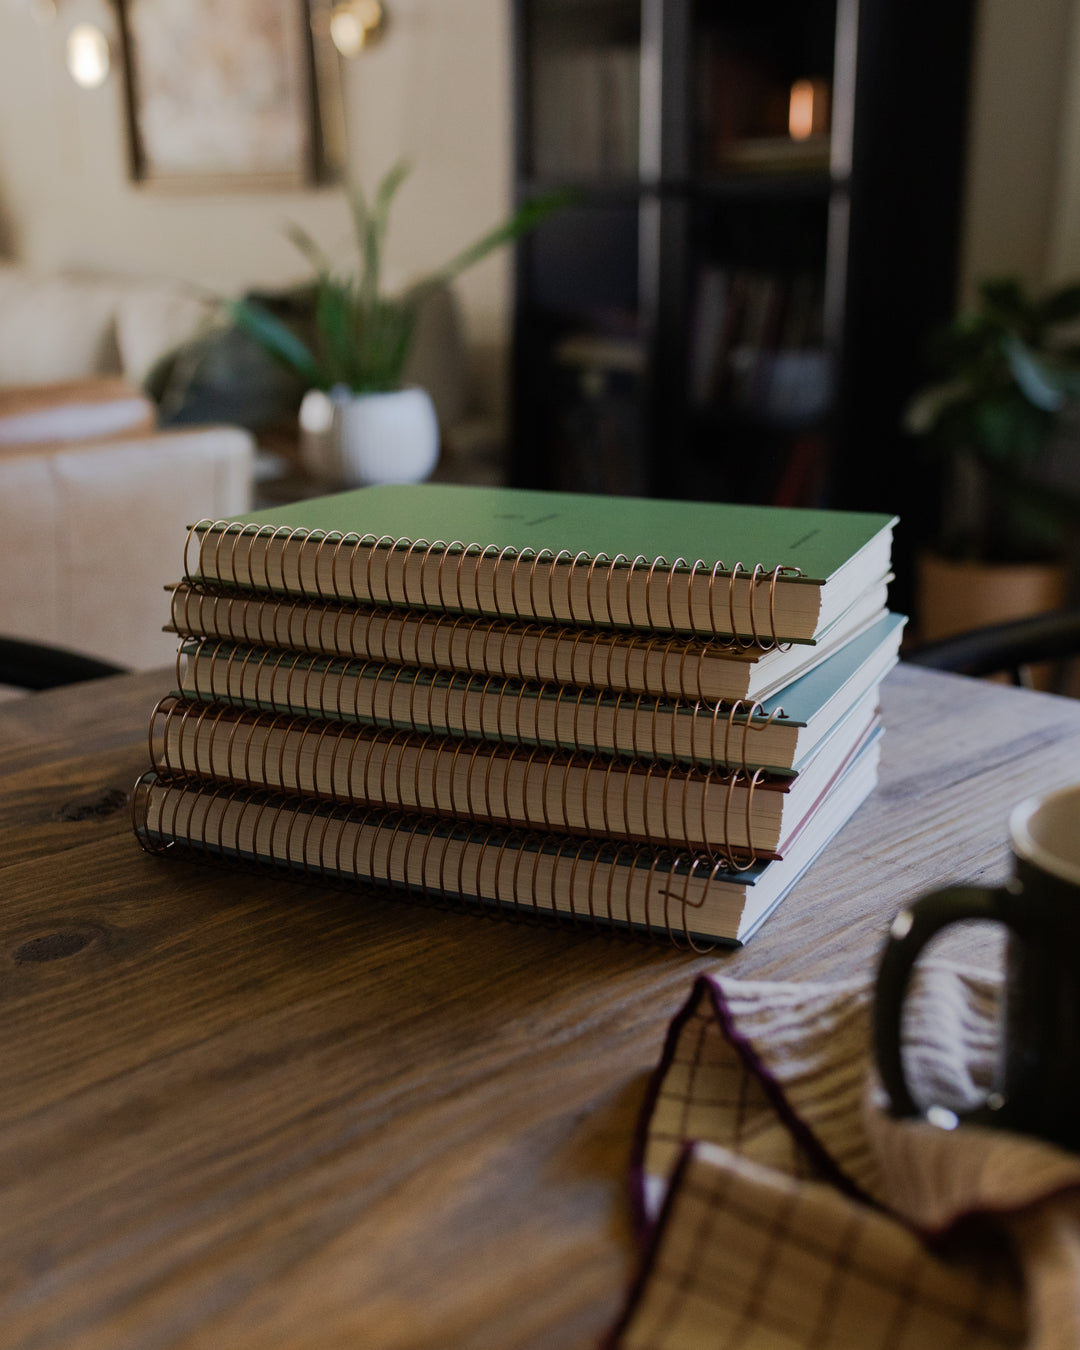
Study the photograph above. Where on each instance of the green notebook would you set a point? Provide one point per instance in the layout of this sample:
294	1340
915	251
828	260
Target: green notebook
764	574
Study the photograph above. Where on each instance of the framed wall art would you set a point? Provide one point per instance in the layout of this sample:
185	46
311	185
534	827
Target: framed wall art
225	95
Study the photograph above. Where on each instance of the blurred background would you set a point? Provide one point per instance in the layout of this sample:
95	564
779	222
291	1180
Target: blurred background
775	207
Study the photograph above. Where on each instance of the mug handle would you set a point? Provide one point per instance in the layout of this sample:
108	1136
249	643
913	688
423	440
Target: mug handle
911	930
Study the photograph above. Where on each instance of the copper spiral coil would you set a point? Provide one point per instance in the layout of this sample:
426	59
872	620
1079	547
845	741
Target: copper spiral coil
502	711
361	581
342	845
589	657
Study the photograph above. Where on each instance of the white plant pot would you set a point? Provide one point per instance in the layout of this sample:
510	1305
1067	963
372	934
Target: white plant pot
354	440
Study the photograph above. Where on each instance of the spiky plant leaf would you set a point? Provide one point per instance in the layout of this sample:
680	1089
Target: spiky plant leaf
320	262
278	339
363	337
525	218
333	324
1036	380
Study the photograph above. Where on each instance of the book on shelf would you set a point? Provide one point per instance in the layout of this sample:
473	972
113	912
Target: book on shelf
752	115
711	303
803	477
777	734
757	342
601	353
756	573
647	801
736	87
663	665
777	154
585	104
597	414
685	896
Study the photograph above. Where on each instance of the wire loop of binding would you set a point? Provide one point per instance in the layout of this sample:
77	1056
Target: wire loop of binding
321	540
480	706
658	664
650	599
516	785
344	846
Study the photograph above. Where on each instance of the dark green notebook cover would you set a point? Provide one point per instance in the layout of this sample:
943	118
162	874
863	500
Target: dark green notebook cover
817	542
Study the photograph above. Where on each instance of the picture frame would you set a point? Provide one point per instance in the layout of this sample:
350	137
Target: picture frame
241	95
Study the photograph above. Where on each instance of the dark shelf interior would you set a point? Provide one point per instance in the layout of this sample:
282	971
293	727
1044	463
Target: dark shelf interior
764	233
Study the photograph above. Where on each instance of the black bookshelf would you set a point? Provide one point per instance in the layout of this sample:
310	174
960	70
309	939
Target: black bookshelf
764	232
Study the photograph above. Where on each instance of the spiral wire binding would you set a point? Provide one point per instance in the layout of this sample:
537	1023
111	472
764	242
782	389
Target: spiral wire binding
342	770
523	650
502	711
346	845
245	555
468	780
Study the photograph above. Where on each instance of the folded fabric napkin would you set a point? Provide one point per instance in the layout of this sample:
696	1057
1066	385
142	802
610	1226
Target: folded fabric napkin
782	1207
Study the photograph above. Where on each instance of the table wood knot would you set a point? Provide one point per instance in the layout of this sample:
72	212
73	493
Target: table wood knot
52	947
97	807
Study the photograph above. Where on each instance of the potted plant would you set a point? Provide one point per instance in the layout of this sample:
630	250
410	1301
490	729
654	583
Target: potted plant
1001	420
358	424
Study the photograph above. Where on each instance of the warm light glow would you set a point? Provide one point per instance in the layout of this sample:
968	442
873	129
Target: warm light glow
808	109
87	56
801	110
354	24
370	12
346	30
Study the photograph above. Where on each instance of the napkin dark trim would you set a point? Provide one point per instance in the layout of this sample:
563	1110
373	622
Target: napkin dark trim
711	987
652	1239
642	1224
822	1159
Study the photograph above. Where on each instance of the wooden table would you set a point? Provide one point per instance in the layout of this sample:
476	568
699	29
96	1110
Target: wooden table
243	1112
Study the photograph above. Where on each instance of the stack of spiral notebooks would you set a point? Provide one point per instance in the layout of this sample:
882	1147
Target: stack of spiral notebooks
641	714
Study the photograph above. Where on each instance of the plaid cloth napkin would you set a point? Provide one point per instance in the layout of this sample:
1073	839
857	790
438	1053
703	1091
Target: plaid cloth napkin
783	1209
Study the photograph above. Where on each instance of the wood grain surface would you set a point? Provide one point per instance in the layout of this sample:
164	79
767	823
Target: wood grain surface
240	1112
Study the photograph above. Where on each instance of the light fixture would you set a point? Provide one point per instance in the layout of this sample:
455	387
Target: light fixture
808	109
88	56
355	24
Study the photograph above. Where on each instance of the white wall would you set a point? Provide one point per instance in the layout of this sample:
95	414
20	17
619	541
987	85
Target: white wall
1063	255
1023	183
435	90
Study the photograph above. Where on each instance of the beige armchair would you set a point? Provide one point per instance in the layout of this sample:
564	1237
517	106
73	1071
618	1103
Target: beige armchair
92	530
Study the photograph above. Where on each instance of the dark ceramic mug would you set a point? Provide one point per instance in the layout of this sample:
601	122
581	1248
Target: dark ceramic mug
1038	1083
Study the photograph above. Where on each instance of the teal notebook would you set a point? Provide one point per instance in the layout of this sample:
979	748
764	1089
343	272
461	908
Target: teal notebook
764	574
779	735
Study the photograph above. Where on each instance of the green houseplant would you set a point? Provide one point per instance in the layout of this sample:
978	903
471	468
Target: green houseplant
997	422
351	352
1009	370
